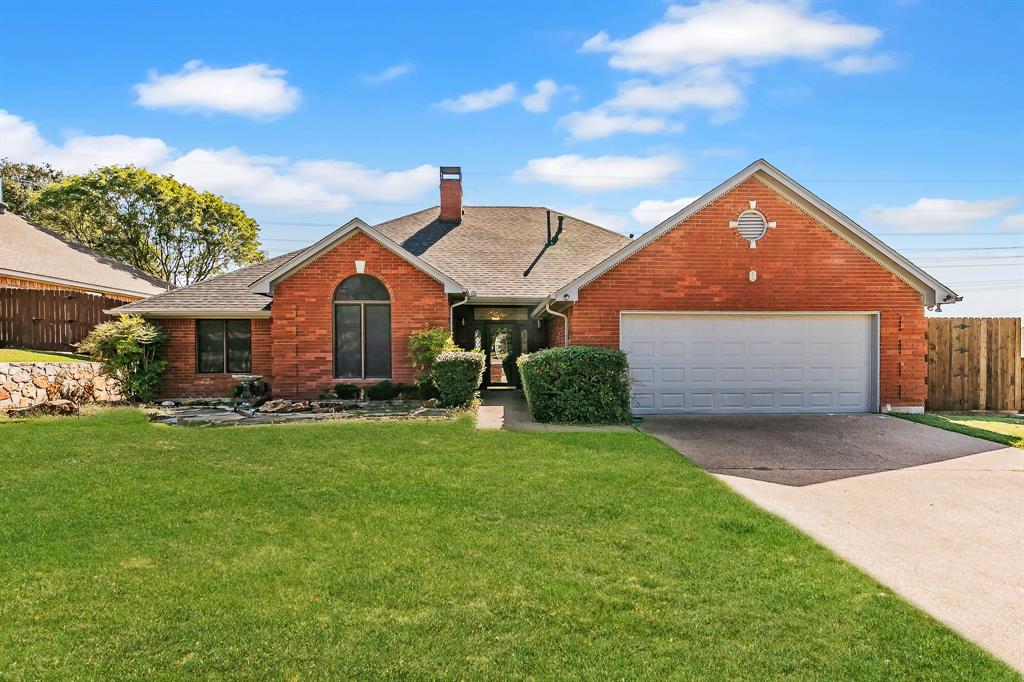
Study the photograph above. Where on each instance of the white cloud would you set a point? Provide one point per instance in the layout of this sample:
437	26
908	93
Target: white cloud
254	90
701	88
733	30
369	183
1013	222
597	123
940	215
651	212
20	140
390	73
598	217
853	64
600	173
309	185
267	181
481	100
539	100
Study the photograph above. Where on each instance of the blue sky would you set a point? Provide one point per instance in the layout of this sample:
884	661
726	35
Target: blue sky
907	116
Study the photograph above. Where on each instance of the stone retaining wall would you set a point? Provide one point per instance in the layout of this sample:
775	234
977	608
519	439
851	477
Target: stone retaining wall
23	384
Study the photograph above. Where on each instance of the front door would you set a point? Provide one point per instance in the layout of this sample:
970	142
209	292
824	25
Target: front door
501	349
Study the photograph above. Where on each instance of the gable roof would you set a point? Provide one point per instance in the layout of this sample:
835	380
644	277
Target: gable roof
932	290
265	284
499	251
33	252
222	296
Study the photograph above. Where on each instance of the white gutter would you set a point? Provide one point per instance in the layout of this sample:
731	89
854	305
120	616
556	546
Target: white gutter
547	307
451	311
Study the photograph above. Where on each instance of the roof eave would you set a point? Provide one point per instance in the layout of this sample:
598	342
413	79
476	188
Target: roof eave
265	284
86	286
194	313
935	292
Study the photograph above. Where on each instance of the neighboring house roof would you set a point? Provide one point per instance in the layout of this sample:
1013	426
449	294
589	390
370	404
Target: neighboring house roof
265	285
33	252
494	246
931	289
222	296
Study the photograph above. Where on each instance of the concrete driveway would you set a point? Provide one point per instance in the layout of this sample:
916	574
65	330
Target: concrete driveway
804	449
935	516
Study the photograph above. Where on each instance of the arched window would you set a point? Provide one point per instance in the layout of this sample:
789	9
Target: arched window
362	329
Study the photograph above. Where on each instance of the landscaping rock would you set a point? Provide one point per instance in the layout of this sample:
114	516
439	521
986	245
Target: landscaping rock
52	407
27	383
272	406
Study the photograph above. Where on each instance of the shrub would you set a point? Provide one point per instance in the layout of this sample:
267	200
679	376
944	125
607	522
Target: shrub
346	391
128	349
577	384
457	374
384	390
424	346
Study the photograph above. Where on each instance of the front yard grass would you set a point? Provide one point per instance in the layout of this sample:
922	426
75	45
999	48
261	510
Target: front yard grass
27	355
419	550
996	428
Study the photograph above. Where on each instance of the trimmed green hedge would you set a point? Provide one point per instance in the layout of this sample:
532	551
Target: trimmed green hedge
577	385
457	375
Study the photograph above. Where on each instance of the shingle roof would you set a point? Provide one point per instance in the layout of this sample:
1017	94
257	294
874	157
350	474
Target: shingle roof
493	246
488	252
38	253
225	293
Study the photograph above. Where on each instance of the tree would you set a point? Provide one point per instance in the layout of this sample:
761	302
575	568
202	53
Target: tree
21	181
159	225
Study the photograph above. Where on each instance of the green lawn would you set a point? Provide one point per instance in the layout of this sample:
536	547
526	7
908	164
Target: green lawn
1005	430
25	355
419	550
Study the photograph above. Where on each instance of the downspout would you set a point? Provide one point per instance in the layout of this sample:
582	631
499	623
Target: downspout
451	312
565	318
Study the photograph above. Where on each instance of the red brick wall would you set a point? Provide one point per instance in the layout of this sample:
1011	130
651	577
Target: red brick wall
801	265
302	330
180	378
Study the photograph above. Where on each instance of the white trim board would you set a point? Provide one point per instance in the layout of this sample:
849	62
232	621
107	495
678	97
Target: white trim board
265	284
932	290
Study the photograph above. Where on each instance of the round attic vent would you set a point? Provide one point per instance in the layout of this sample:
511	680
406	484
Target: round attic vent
752	225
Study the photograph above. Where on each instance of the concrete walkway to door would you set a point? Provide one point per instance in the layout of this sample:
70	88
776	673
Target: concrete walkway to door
946	534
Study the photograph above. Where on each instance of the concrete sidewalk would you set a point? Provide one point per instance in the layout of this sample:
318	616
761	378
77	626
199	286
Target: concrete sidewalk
506	409
947	536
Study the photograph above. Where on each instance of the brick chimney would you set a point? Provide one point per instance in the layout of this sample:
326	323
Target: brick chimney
451	194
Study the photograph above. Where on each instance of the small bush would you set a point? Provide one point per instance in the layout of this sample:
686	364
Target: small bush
458	374
346	391
384	390
128	349
424	346
577	384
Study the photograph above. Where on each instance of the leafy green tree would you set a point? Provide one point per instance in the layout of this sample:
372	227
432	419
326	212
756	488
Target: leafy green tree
159	225
21	181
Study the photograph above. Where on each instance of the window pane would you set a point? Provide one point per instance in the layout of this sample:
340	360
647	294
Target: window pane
347	342
524	340
239	345
210	345
361	288
378	341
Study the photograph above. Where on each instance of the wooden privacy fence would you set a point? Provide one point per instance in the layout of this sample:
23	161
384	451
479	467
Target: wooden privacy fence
974	363
52	319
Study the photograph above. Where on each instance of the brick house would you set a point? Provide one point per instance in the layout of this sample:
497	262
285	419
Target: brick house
757	297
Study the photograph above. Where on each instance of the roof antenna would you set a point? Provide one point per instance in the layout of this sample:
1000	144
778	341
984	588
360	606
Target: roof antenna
549	227
554	240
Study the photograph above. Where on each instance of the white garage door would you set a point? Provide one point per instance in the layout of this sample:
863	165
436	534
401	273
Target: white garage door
691	362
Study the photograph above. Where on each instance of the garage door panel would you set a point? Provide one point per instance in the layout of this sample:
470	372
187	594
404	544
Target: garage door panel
756	363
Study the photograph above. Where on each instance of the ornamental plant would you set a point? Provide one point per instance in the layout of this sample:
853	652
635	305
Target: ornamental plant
577	384
457	375
424	346
128	348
